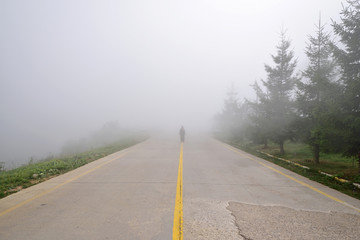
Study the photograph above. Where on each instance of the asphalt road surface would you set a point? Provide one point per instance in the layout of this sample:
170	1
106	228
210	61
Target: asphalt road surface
228	194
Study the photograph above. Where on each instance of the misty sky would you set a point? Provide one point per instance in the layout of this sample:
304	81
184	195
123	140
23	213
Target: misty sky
67	67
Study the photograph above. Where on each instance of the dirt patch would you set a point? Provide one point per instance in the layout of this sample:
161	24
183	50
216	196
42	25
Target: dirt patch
32	182
16	189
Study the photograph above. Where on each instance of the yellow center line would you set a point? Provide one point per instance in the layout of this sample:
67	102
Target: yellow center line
294	179
178	211
61	184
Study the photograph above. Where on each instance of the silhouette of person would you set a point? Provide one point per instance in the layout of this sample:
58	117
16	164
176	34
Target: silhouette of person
182	134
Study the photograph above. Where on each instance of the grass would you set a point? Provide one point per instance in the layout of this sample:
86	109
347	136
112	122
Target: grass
334	164
14	180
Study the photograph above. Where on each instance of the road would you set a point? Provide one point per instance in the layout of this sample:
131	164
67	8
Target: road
228	194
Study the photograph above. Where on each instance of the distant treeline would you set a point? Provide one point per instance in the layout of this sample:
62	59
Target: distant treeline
319	106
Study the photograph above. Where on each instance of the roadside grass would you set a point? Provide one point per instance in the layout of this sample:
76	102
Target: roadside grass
334	164
16	179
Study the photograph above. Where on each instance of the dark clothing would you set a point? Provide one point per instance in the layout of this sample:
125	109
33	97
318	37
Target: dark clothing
182	134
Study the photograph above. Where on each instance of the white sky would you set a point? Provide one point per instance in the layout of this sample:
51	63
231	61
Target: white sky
67	67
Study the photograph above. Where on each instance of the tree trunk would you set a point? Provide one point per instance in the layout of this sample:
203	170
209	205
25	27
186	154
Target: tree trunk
359	161
282	150
265	143
316	153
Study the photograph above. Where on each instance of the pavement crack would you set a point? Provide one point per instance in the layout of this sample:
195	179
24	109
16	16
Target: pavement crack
238	227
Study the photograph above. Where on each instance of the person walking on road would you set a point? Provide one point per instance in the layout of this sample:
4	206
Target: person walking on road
182	134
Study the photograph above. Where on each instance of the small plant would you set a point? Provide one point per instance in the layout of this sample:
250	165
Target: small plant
357	179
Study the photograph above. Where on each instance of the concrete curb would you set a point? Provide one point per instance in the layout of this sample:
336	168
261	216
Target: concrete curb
305	167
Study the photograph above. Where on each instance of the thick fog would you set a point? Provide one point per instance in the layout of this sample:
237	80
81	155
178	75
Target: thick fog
69	67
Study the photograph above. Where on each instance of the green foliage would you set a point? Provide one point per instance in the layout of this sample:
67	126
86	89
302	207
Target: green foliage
231	121
349	59
273	109
332	163
317	104
326	113
258	130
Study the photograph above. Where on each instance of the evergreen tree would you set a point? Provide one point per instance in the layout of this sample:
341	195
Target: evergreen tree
280	87
258	129
231	120
316	96
349	59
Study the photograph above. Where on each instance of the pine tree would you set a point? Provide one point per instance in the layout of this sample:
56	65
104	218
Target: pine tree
258	129
233	115
349	59
316	96
280	87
